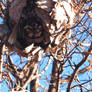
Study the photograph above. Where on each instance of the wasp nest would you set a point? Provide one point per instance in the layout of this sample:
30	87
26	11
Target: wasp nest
39	23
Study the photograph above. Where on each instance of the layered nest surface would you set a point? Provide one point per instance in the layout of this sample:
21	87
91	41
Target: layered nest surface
31	24
28	26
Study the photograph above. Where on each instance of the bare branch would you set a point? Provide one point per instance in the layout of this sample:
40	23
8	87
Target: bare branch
77	67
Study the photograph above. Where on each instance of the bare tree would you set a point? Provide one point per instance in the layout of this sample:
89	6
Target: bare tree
46	44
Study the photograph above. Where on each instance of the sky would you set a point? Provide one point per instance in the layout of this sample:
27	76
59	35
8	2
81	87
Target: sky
76	58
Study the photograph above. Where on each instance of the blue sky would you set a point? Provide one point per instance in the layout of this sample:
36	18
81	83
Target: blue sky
76	58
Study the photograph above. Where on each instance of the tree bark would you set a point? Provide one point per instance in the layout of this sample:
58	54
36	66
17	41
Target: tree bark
54	86
34	85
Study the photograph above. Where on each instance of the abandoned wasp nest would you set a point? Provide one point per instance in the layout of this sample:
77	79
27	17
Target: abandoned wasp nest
37	26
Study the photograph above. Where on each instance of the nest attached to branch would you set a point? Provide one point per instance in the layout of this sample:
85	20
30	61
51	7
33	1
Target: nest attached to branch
39	23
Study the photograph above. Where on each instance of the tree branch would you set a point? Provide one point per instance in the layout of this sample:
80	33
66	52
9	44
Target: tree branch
77	68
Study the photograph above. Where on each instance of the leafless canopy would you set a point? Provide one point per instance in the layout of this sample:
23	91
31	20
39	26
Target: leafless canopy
46	45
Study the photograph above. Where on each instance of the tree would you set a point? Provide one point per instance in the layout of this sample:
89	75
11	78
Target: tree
46	36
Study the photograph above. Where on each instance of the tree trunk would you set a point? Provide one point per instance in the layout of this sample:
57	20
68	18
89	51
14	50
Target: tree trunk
34	85
54	86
